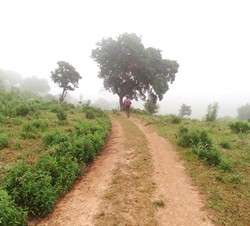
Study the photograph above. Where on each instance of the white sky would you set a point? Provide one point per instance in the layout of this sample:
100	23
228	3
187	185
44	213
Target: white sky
210	39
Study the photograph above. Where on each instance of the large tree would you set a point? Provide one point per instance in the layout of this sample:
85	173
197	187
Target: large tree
128	68
66	77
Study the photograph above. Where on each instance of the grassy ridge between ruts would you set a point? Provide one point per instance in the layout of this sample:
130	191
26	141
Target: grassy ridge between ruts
47	147
128	200
217	157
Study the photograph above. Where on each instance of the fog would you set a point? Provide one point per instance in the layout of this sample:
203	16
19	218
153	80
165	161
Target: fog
209	40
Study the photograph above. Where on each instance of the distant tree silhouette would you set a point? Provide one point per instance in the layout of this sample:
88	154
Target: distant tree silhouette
244	112
66	77
212	112
185	110
36	85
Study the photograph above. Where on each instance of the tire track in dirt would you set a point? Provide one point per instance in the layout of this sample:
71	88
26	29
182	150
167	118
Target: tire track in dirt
78	207
183	203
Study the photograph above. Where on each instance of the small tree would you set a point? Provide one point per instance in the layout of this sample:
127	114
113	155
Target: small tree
66	77
151	107
212	112
185	110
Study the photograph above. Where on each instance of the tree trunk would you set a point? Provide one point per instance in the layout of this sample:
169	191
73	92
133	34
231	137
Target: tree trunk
121	102
61	99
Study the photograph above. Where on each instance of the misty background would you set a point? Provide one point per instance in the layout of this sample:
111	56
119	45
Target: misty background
209	40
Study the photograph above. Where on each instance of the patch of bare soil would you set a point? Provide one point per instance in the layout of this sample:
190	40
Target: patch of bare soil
183	203
121	185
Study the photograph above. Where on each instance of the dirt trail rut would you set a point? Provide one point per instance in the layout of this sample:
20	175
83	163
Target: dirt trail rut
183	205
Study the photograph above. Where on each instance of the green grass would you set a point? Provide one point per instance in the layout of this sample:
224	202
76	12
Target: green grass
159	203
226	188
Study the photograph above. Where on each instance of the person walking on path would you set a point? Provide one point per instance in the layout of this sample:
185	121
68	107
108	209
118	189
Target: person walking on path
126	103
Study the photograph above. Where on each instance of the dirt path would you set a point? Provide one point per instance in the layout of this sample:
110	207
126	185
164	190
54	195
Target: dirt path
183	204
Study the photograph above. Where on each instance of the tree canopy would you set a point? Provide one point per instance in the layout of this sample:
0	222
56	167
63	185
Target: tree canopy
212	112
66	77
244	112
185	110
128	68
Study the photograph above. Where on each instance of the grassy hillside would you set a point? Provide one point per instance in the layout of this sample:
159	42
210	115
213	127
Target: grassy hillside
217	157
44	147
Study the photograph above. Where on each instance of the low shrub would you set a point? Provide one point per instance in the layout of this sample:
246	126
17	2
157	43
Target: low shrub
9	111
54	107
90	114
29	131
83	149
193	138
68	106
50	165
9	213
62	169
61	114
225	165
211	156
139	111
97	142
225	144
13	175
40	124
86	127
54	137
235	179
240	127
4	140
22	110
31	189
36	192
93	111
175	119
230	178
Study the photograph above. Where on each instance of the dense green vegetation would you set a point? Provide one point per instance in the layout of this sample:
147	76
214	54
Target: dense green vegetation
217	156
44	148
